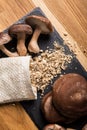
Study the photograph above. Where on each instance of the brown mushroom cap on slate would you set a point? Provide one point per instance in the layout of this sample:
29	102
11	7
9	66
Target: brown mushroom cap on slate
41	25
70	95
4	39
49	111
20	30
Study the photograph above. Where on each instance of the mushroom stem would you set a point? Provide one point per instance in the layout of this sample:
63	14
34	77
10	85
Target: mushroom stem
21	48
7	52
33	45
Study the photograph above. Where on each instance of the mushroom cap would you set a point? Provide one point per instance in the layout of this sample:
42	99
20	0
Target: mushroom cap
41	22
20	28
70	95
4	38
49	111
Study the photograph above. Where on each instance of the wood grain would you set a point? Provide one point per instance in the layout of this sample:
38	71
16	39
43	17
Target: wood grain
73	15
67	16
13	117
12	10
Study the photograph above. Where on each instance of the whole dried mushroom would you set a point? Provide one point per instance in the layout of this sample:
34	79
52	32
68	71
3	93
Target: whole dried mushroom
70	95
67	101
20	31
49	111
4	39
41	25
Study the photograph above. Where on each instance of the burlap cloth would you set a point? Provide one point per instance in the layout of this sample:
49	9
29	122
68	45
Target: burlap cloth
15	82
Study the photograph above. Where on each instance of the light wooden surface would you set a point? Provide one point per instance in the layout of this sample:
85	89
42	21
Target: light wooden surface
13	117
65	14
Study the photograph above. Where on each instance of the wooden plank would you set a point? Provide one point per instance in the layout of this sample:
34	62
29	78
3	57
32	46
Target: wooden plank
13	117
11	11
71	14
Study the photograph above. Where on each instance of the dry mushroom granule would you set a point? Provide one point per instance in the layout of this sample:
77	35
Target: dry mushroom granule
48	65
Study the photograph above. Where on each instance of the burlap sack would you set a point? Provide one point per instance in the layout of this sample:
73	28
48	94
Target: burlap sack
15	82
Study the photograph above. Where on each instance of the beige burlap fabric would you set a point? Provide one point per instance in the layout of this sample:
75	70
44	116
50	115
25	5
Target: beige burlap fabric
15	80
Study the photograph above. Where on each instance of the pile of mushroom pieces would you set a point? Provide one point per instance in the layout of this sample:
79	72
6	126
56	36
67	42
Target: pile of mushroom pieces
34	25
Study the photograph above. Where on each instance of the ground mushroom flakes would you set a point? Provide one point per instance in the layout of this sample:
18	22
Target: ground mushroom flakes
47	65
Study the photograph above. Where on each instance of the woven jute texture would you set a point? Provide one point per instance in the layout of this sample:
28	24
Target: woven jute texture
15	82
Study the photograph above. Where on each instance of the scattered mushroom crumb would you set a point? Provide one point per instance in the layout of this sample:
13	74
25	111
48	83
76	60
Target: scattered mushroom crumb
47	66
71	47
65	34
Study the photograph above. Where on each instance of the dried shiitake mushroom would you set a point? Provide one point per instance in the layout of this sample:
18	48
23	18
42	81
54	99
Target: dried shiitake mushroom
20	31
4	39
41	25
70	95
67	101
49	111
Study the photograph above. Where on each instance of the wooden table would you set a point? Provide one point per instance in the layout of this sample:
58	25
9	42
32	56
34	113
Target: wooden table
67	16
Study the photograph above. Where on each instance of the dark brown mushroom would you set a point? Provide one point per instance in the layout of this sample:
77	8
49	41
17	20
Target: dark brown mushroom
41	25
4	39
70	95
20	30
49	112
53	127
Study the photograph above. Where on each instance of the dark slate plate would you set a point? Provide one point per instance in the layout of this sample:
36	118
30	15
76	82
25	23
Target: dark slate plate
33	107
